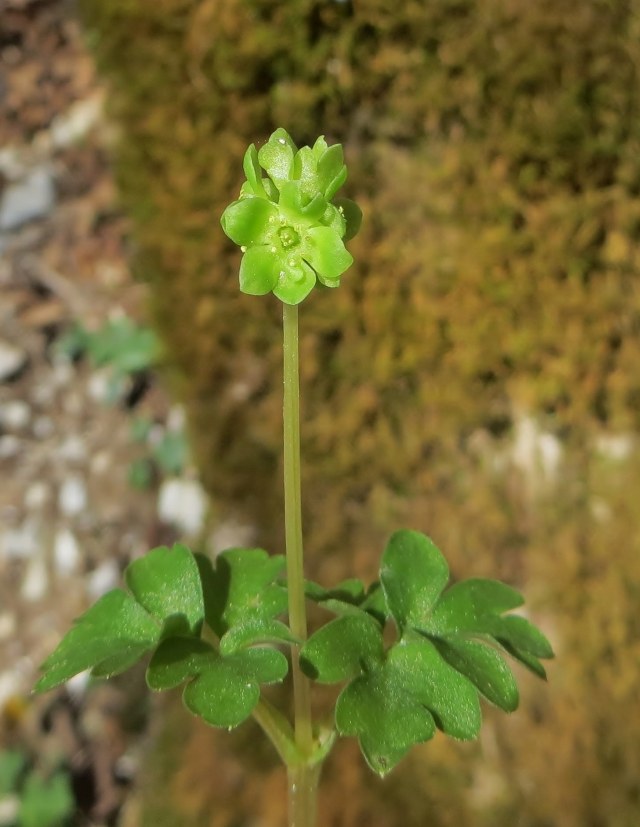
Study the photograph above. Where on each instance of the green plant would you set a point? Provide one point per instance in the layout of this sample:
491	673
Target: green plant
218	629
30	799
121	345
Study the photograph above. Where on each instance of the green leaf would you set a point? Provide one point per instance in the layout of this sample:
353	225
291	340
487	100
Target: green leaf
352	215
323	249
466	604
484	667
332	173
276	157
172	452
46	802
386	719
116	629
294	282
223	690
12	765
247	221
343	649
413	574
124	345
166	582
176	660
446	693
255	630
259	270
253	172
242	587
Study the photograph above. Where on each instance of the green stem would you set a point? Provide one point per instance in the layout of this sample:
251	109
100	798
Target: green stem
279	731
302	792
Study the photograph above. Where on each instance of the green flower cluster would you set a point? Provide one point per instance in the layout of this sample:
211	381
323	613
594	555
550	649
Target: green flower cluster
290	227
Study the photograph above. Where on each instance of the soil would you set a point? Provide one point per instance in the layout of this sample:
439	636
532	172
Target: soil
70	520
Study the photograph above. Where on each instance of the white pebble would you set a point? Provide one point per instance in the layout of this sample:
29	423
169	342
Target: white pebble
102	579
9	446
36	581
73	449
183	503
20	543
8	627
15	415
72	497
66	552
43	427
36	495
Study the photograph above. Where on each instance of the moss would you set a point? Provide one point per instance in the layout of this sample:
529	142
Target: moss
494	148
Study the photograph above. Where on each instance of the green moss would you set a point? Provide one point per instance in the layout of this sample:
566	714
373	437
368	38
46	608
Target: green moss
494	149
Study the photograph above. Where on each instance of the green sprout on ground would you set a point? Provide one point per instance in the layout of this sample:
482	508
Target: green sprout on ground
413	655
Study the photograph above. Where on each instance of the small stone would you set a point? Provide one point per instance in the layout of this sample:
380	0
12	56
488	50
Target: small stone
36	581
72	497
15	415
12	360
71	126
73	449
183	503
9	446
36	496
22	542
102	579
100	462
8	627
66	552
43	427
28	199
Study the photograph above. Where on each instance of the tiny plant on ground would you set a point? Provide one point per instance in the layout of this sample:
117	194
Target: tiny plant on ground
411	653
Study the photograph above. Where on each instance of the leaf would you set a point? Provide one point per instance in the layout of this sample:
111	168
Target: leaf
484	667
276	157
12	765
253	172
413	574
247	221
255	630
323	249
166	582
116	629
352	215
259	271
342	649
46	802
463	605
449	696
242	587
386	719
223	690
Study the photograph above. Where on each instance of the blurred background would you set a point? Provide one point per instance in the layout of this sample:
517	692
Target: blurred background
476	377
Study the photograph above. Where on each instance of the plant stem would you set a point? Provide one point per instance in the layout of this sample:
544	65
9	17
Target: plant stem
303	777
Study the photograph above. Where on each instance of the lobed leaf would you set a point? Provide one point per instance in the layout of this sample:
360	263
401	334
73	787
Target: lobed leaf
223	690
413	574
243	586
112	634
166	582
342	649
386	719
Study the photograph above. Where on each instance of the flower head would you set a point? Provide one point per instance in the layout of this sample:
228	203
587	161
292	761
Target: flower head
290	227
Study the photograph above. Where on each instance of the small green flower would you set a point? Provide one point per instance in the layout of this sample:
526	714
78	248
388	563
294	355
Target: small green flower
289	226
